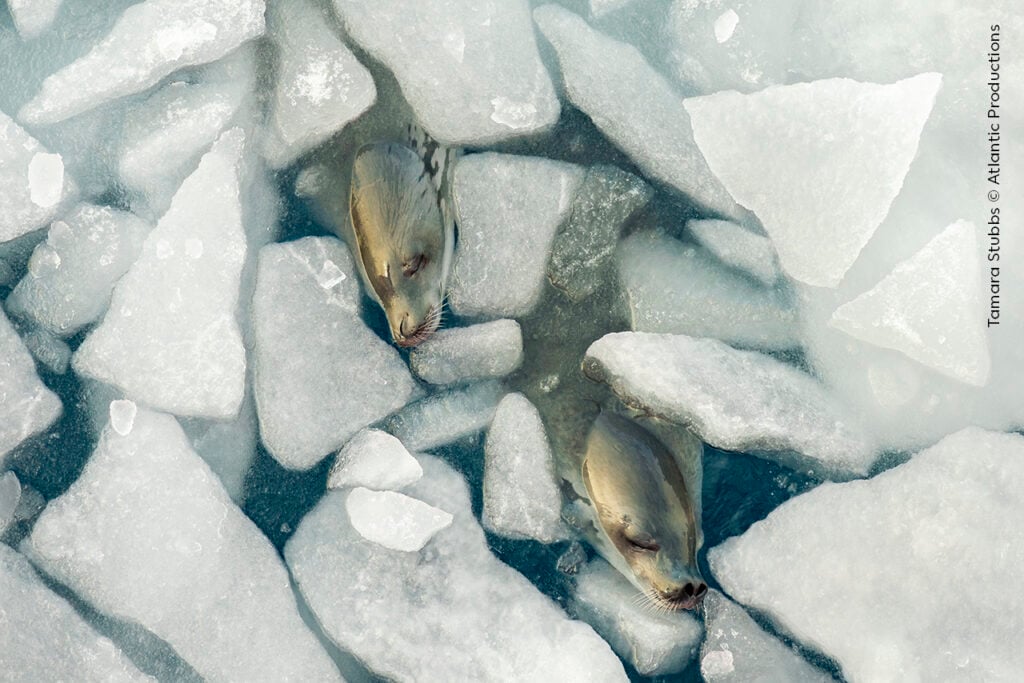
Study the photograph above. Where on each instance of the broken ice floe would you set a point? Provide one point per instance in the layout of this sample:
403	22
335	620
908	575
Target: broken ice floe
456	354
445	417
375	460
50	351
32	17
10	495
859	570
394	520
227	446
738	247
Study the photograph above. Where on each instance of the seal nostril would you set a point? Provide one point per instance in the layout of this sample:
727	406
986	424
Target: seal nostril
702	588
688	590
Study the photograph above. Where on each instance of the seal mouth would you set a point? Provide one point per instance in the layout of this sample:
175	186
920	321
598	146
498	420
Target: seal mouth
421	333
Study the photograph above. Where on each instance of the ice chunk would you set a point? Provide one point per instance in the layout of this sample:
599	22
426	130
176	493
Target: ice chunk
122	416
171	339
471	71
148	534
394	520
633	105
737	649
53	353
446	417
72	273
521	494
44	639
321	375
28	407
33	179
491	349
655	643
320	84
451	611
151	40
32	17
675	287
859	137
509	208
882	549
227	446
375	460
725	25
931	307
734	400
600	8
585	243
10	495
738	247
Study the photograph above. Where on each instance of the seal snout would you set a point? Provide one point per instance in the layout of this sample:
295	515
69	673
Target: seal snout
686	595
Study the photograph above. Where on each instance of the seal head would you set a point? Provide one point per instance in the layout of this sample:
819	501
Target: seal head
647	521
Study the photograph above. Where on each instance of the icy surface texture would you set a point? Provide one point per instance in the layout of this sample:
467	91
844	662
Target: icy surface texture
10	495
148	534
738	247
320	84
859	137
151	40
634	106
737	650
227	446
171	338
42	638
448	612
32	17
509	208
675	287
375	460
491	349
50	351
586	242
881	549
28	407
734	400
446	417
931	307
469	69
521	494
33	180
321	375
394	520
654	643
72	273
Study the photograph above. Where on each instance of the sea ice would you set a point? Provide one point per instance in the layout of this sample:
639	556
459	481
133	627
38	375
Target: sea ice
491	349
521	494
445	417
600	8
50	351
33	17
931	307
10	495
451	611
227	446
859	137
375	460
509	208
394	520
738	247
470	70
33	181
675	287
148	534
737	650
151	40
72	273
734	400
28	407
654	643
320	374
320	84
171	338
42	637
857	570
633	105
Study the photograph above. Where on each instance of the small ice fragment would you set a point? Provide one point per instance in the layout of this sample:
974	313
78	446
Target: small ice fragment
33	17
725	25
45	260
122	416
46	179
394	520
513	114
10	494
376	460
491	349
330	275
717	662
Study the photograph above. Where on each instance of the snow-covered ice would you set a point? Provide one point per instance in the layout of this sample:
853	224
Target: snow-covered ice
151	40
171	337
633	105
675	287
394	520
492	349
72	273
321	375
451	611
509	208
469	69
32	17
148	534
10	495
911	575
734	400
859	138
521	494
320	85
375	460
738	247
654	643
447	416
